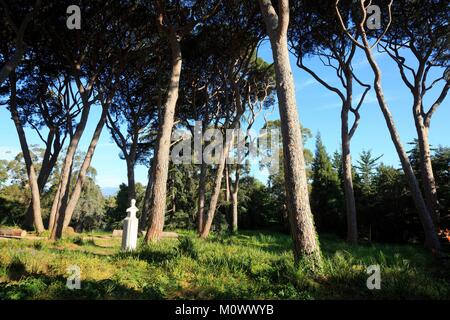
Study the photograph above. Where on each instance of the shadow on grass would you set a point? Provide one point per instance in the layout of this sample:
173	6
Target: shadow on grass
44	287
284	286
79	251
268	241
149	254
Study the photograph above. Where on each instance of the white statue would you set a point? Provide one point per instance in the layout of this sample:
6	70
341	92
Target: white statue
130	228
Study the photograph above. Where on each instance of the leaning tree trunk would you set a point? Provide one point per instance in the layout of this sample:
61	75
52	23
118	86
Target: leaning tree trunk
217	186
131	180
222	164
346	136
52	217
431	239
352	227
66	217
48	163
428	180
65	197
31	172
161	159
146	203
300	216
66	169
227	184
201	197
234	201
42	177
131	163
228	208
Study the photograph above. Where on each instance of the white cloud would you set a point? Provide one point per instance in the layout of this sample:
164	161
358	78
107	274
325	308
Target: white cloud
369	99
304	84
8	152
363	62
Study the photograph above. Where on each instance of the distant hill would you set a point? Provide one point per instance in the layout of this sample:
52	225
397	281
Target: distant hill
109	191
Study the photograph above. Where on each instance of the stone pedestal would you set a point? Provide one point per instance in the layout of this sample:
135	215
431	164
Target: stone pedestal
130	228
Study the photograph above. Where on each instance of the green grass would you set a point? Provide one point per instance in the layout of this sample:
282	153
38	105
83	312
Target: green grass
249	265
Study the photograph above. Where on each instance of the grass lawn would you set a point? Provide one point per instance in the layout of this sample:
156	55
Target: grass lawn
250	265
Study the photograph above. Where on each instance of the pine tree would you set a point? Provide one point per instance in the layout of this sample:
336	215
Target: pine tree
366	189
366	168
326	193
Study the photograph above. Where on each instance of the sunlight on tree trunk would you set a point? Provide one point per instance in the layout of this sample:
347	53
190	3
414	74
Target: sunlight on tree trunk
162	155
300	216
31	172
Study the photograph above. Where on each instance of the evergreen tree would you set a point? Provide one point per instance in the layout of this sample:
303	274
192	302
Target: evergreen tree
326	192
90	210
365	190
441	166
392	217
336	162
276	183
366	169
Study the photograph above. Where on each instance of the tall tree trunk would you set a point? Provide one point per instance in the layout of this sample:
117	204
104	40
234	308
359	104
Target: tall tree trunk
174	204
65	197
52	218
131	163
217	188
148	193
222	162
234	200
428	180
131	180
352	227
161	159
300	216
201	197
66	169
228	204
48	163
54	209
43	174
431	239
227	185
31	172
149	189
65	218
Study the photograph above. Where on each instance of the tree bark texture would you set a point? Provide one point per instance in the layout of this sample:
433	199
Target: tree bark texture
162	155
300	216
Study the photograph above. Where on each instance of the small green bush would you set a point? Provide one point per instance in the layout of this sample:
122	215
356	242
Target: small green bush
78	241
38	245
16	269
187	247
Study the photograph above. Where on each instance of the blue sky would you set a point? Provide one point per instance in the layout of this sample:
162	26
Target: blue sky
319	110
